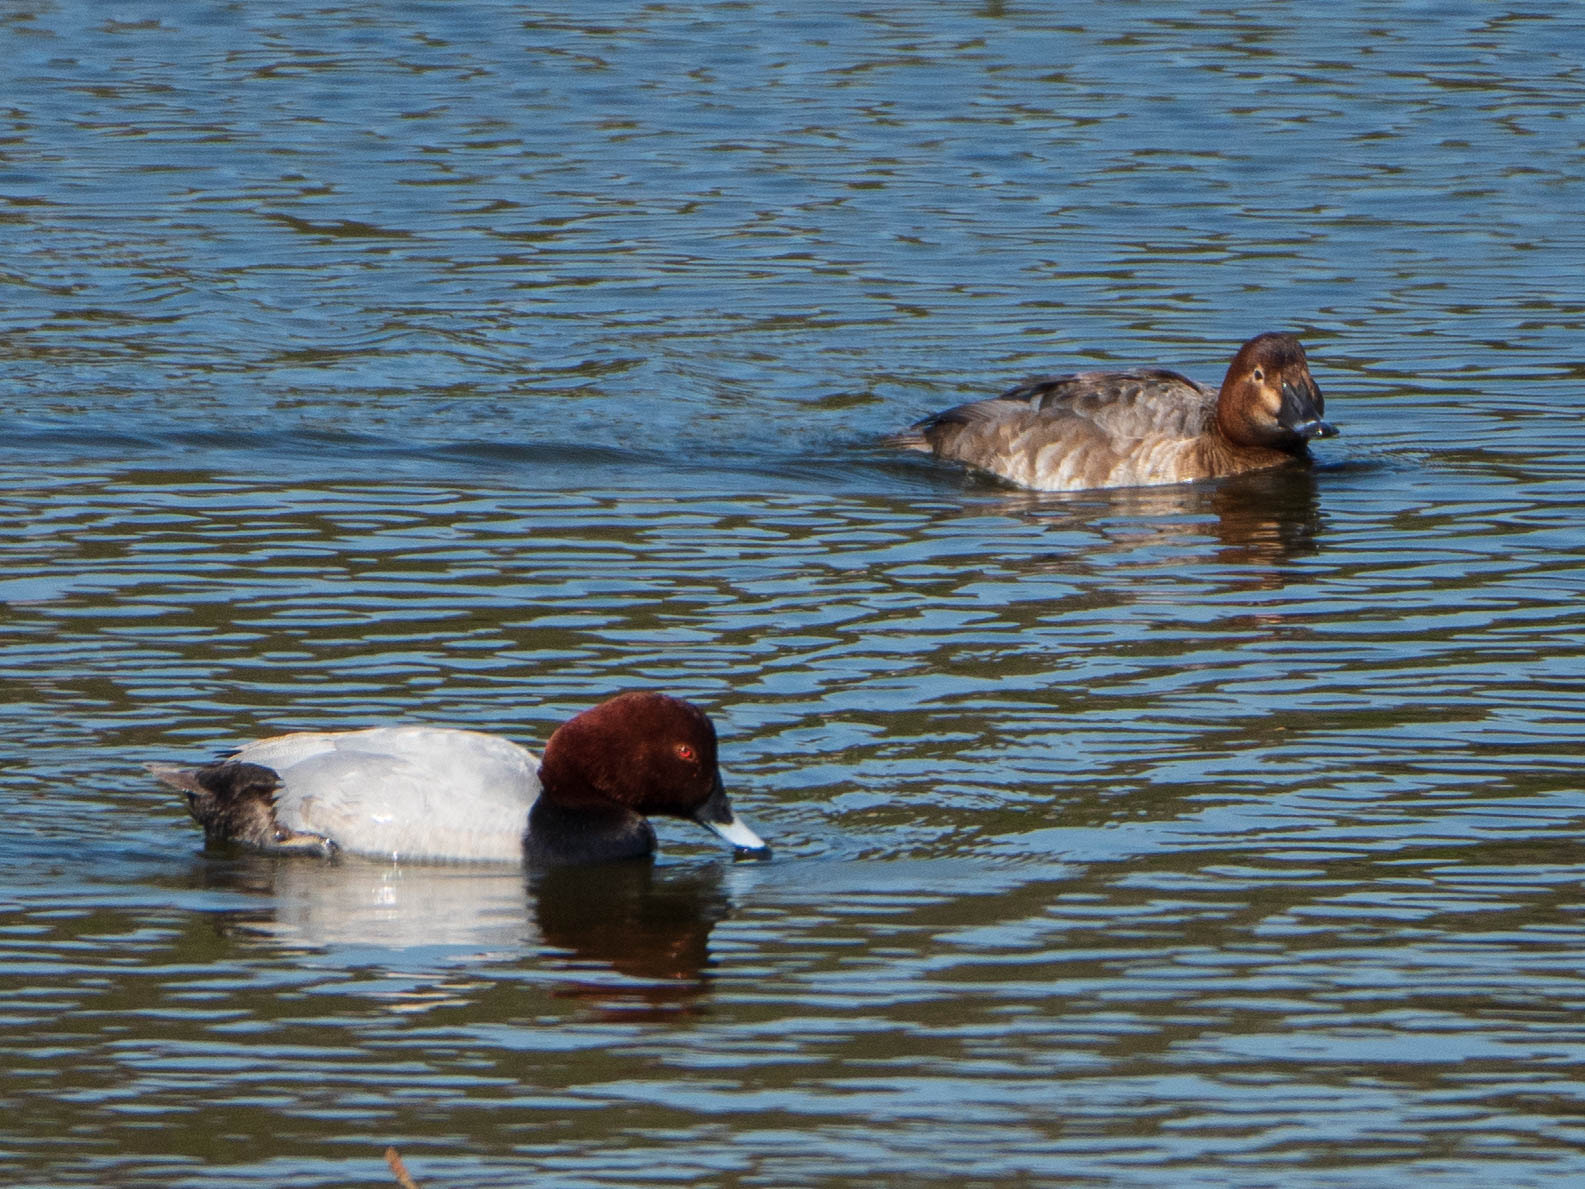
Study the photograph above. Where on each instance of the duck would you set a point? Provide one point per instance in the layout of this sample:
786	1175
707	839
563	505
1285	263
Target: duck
432	793
1146	427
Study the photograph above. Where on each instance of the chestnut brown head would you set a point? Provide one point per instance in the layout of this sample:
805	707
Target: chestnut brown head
1269	398
644	751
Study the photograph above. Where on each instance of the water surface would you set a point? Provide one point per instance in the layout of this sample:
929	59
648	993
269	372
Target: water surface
468	364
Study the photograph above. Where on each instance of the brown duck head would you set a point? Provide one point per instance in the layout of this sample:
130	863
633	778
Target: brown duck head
1270	399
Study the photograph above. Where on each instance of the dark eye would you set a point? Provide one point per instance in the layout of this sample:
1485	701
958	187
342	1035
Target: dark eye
1259	375
686	753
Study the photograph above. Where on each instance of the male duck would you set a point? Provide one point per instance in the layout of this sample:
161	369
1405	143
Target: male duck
419	792
1139	428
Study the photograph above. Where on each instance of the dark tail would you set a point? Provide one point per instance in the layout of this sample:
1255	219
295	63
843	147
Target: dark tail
231	800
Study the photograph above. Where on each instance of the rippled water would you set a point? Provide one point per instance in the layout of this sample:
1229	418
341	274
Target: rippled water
469	363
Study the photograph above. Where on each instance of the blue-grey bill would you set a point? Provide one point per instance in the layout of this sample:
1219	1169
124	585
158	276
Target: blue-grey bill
738	834
1316	429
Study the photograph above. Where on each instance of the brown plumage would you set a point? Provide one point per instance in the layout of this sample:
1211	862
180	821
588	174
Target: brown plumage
1139	428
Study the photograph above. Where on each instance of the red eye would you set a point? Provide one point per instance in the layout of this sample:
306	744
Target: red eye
686	753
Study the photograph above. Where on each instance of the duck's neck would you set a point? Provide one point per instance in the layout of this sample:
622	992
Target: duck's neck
1220	455
558	835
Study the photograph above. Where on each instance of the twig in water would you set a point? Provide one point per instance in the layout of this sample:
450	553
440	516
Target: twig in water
399	1170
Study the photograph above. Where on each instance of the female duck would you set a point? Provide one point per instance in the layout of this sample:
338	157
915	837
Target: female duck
1138	428
421	792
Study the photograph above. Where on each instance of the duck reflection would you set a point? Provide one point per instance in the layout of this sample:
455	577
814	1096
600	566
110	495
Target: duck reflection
1261	519
647	924
1267	517
629	938
357	902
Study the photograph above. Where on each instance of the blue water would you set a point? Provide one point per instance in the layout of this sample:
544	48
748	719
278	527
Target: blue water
468	363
